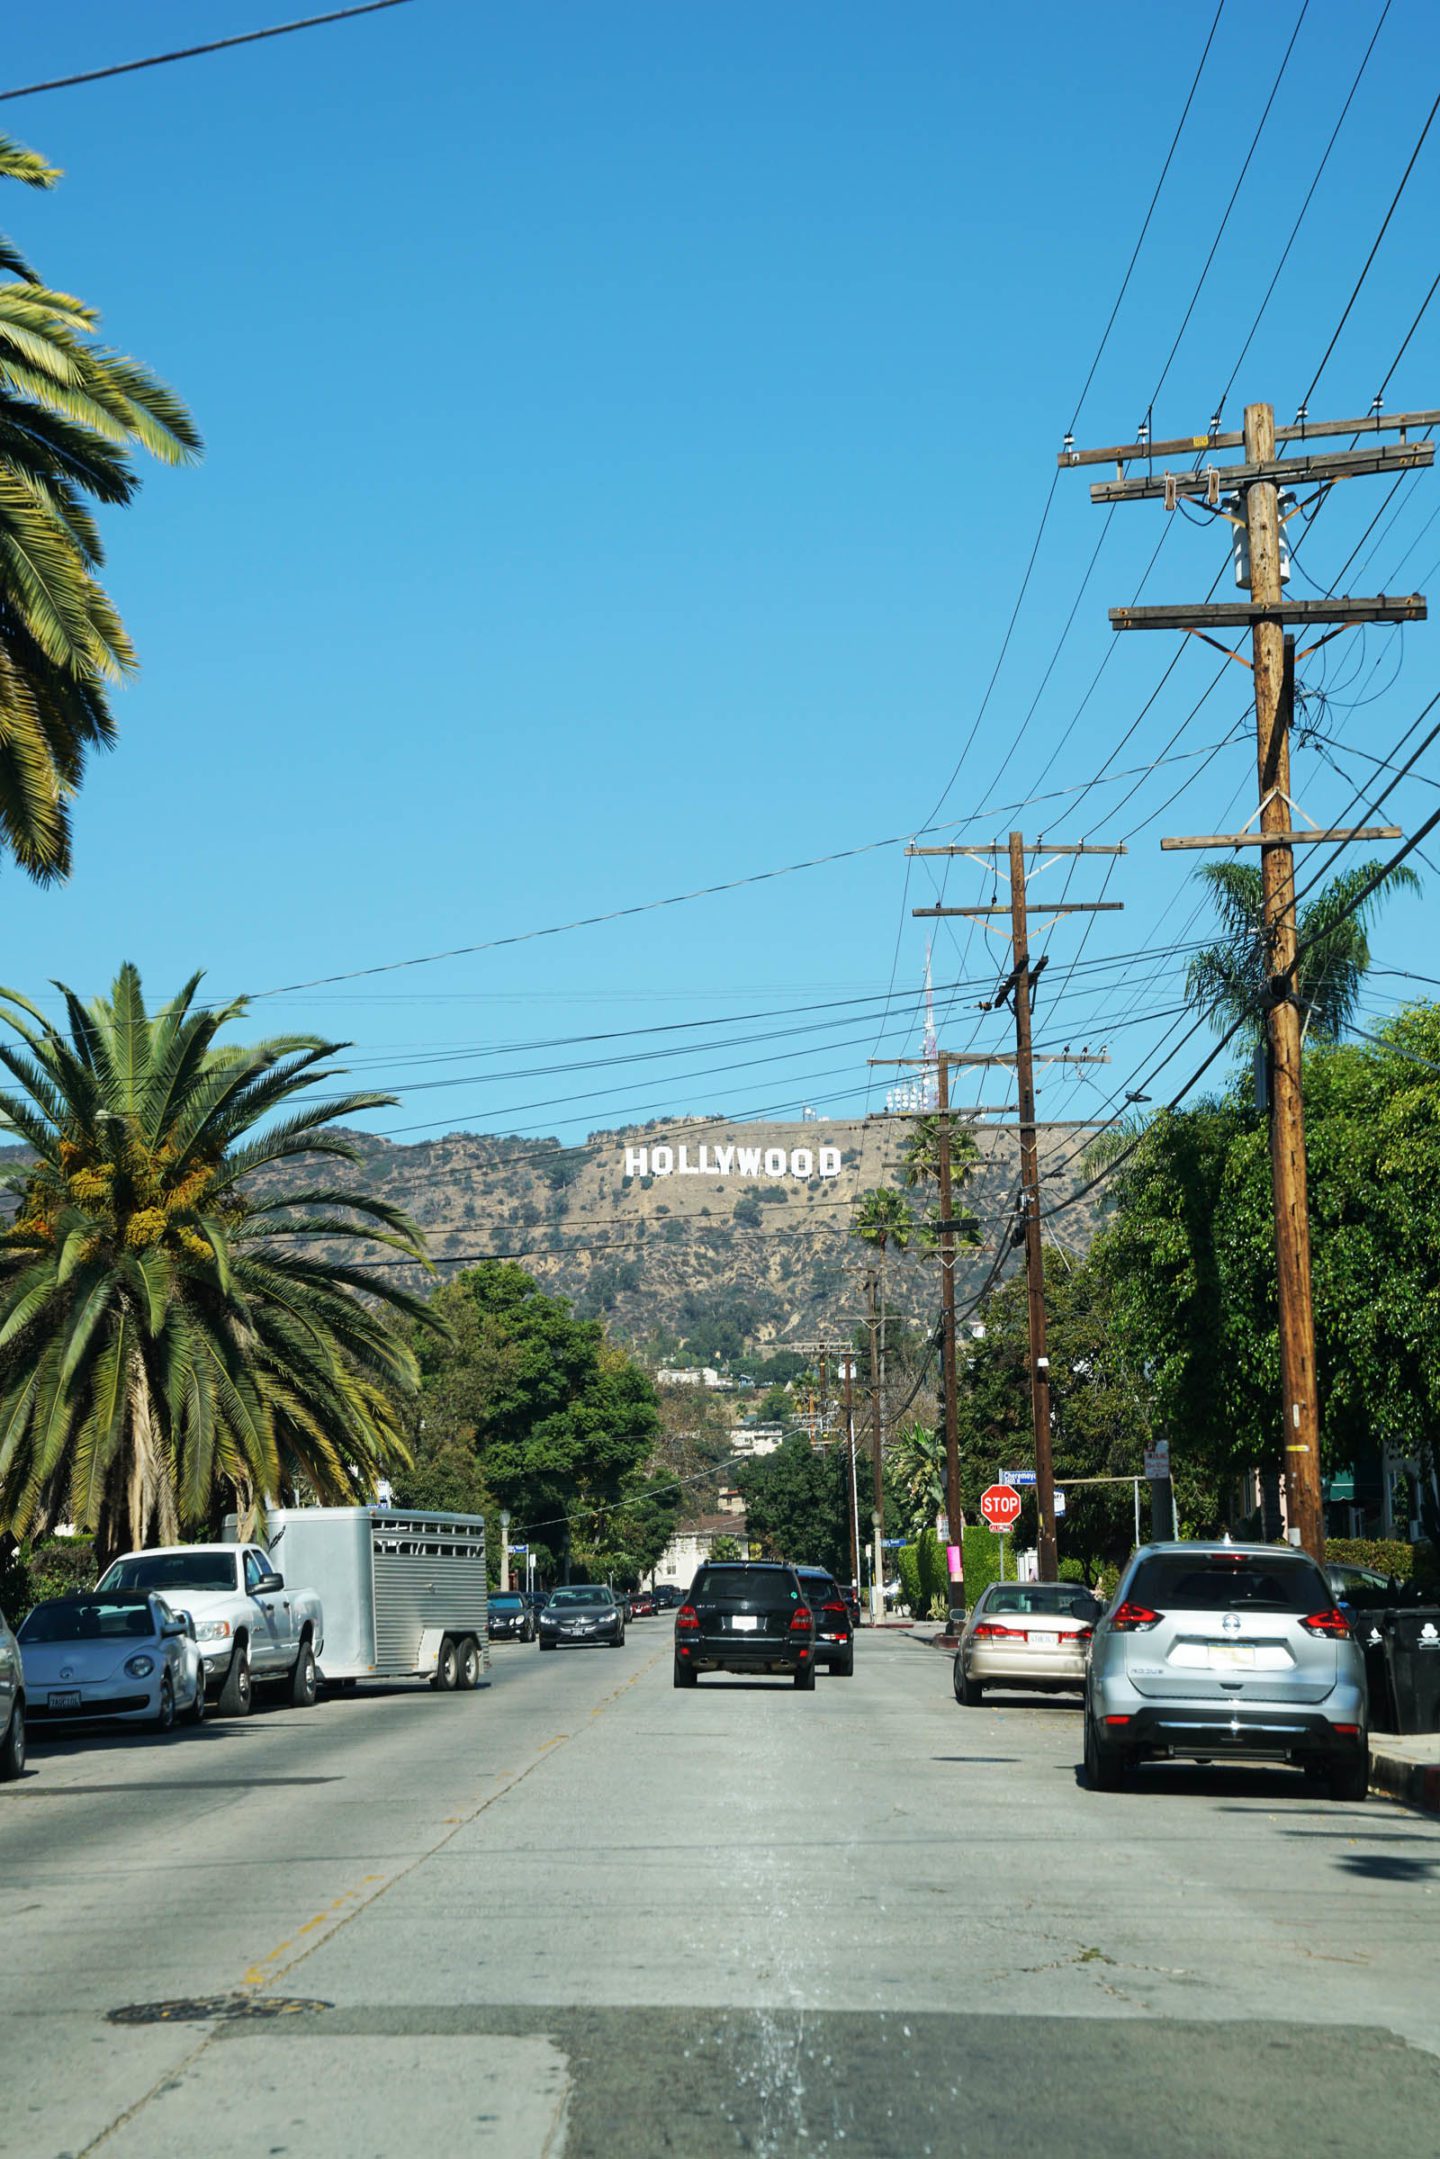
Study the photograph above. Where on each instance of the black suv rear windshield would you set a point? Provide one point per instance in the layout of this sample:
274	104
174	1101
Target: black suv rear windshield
724	1584
1214	1582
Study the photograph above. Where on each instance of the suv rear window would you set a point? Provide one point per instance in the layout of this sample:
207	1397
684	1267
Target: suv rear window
1180	1582
717	1583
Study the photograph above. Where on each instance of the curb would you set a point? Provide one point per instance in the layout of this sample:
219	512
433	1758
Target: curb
1414	1784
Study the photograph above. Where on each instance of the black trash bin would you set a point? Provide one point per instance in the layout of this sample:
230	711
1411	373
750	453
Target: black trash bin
1412	1657
1369	1630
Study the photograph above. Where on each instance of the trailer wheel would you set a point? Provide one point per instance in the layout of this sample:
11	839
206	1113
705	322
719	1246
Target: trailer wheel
468	1676
447	1667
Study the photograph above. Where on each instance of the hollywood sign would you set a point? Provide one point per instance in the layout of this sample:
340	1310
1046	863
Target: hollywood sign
799	1162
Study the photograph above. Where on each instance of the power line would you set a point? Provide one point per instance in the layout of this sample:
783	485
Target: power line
194	52
1369	259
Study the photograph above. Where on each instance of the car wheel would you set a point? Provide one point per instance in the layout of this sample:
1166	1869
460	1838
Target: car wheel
12	1746
844	1667
968	1692
469	1673
686	1675
165	1714
195	1714
805	1678
1103	1765
304	1679
237	1696
1350	1777
447	1667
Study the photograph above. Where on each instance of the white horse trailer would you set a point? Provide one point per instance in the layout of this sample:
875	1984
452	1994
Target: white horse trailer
403	1592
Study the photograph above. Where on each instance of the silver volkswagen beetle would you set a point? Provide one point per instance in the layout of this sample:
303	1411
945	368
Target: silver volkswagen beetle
121	1654
12	1706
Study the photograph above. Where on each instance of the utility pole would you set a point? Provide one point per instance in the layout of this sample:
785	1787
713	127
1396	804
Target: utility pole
954	1510
1047	1556
849	1365
877	1584
1020	984
1249	496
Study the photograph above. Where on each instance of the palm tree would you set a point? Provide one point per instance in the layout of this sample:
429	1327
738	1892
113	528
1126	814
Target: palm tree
882	1218
71	411
920	1165
173	1331
1229	981
915	1470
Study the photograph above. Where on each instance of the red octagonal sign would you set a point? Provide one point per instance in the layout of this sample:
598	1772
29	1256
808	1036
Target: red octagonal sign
1000	1506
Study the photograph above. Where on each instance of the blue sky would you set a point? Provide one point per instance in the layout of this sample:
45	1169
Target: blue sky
627	429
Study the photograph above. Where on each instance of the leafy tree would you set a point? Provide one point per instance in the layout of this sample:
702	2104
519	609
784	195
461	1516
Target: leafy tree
797	1506
163	1345
726	1548
622	1543
1189	1259
1230	981
560	1420
71	412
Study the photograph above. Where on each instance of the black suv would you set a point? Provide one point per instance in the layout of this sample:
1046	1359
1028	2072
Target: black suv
745	1617
834	1629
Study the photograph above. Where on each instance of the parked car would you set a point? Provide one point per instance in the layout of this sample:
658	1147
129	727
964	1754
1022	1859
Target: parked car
834	1628
583	1612
745	1616
537	1599
12	1706
851	1596
1027	1635
121	1655
1213	1651
510	1618
641	1604
249	1624
1343	1577
667	1597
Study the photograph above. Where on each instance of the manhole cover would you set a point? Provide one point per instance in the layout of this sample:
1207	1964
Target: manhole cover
198	2008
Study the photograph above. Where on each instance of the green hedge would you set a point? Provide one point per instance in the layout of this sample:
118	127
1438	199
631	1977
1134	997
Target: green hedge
30	1572
1388	1555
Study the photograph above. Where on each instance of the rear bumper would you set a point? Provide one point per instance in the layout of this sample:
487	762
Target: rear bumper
733	1653
1024	1667
1257	1730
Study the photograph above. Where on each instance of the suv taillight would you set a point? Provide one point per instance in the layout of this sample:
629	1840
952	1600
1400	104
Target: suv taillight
840	1608
1135	1618
802	1619
687	1620
1332	1625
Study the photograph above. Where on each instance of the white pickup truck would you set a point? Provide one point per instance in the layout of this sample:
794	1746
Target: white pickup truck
252	1627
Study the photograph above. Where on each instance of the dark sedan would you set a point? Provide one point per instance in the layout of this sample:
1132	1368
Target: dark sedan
834	1630
745	1616
584	1613
510	1617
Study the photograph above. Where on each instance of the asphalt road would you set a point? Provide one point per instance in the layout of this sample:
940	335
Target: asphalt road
583	1913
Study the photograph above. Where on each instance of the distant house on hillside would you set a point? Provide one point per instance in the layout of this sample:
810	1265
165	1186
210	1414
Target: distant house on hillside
691	1545
690	1375
756	1438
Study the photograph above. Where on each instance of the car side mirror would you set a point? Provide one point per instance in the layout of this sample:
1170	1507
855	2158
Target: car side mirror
269	1582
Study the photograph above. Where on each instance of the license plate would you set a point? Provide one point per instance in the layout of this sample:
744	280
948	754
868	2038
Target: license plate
64	1701
1044	1641
744	1623
1232	1654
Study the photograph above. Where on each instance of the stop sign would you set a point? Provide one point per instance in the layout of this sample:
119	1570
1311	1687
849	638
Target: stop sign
1000	1505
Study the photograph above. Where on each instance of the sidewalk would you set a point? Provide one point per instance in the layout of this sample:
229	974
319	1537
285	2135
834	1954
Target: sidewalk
1406	1766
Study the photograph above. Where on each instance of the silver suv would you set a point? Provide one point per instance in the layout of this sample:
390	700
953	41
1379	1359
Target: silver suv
1211	1651
12	1706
